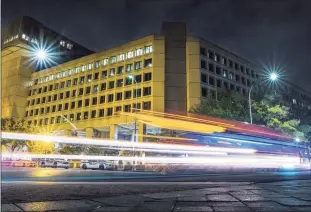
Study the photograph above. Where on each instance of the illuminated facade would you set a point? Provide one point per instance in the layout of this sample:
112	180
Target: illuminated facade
162	73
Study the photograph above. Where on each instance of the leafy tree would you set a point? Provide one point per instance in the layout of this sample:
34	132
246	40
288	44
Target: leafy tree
306	129
71	149
40	147
19	126
229	105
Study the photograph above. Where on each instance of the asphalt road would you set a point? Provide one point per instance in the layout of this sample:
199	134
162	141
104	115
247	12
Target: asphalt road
38	184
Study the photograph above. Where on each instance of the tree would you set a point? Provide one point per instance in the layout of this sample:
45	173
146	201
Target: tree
40	147
306	129
229	105
18	126
71	149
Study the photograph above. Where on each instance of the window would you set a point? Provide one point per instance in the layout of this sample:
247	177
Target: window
238	89
81	80
232	86
224	61
74	93
148	49
120	70
109	111
213	94
95	88
93	114
218	82
55	97
37	112
61	95
89	78
127	108
230	63
52	120
96	75
139	52
294	101
130	54
78	116
32	102
113	59
31	112
104	74
236	66
80	91
111	72
97	64
55	87
86	115
121	57
203	64
242	69
138	78
71	117
147	77
147	105
147	91
46	120
110	98
119	96
45	89
226	85
62	84
211	81
138	65
225	73
111	84
244	92
211	55
68	83
72	106
94	101
101	113
129	67
50	87
248	82
243	80
67	94
203	78
58	119
87	102
119	83
231	75
218	71
237	78
79	103
148	63
128	94
211	67
118	108
43	100
38	100
128	81
40	90
103	86
75	81
102	99
247	71
105	61
217	58
136	107
83	68
53	108
47	109
137	93
66	106
203	51
204	92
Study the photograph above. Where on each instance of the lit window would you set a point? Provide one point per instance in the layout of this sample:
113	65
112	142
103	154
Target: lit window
148	63
138	65
71	117
83	67
112	72
90	66
76	70
139	52
129	67
294	101
121	57
62	43
147	105
78	116
119	83
148	49
130	54
113	59
97	64
69	46
104	74
105	61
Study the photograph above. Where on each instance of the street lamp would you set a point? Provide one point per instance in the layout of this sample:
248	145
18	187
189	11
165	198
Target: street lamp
273	77
136	104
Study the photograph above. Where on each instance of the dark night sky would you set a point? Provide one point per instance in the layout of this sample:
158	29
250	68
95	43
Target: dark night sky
264	31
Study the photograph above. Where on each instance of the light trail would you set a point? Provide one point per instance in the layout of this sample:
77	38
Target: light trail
255	161
120	144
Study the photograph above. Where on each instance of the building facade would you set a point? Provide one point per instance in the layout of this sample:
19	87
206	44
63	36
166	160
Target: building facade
21	39
164	72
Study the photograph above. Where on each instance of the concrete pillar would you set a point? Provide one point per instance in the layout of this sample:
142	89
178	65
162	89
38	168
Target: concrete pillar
141	131
89	132
113	132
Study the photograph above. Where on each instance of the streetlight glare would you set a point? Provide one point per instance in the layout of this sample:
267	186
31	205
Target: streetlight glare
41	54
273	76
297	139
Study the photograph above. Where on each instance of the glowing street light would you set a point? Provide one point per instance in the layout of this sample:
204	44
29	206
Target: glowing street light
272	77
297	139
41	54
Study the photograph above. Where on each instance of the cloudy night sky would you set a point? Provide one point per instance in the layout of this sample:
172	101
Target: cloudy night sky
264	32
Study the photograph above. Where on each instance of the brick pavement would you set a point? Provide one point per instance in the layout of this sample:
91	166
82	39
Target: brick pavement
263	197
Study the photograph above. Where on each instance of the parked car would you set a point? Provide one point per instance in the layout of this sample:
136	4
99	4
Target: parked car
97	164
58	163
23	163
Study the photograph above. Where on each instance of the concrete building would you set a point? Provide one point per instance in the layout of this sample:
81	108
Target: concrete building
21	40
164	72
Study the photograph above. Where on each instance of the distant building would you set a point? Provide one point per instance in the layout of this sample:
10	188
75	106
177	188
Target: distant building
164	72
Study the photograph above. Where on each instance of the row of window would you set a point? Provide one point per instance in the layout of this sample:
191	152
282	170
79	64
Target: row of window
99	63
211	80
204	90
100	113
129	80
110	97
224	61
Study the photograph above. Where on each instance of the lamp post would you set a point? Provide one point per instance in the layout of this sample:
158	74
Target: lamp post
273	77
136	101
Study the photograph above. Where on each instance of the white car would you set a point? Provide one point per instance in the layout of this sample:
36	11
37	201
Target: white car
97	164
55	164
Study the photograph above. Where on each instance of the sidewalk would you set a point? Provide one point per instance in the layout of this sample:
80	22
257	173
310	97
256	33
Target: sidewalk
266	197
